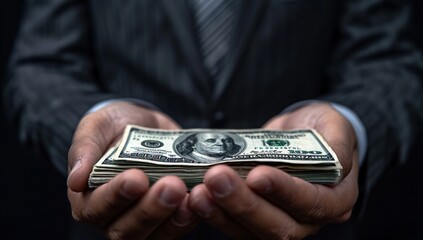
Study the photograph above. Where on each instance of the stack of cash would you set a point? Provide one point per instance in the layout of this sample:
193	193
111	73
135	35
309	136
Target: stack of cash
189	153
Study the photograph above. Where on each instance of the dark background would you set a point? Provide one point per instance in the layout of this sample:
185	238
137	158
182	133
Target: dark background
33	196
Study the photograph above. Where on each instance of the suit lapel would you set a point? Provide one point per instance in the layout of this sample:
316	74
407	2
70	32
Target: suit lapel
182	26
248	18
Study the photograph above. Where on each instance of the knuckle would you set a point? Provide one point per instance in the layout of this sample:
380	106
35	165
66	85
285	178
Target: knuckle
75	216
245	208
292	233
147	219
344	217
316	213
286	236
89	216
322	215
114	234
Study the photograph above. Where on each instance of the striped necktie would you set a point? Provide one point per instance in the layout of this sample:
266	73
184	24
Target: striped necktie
213	22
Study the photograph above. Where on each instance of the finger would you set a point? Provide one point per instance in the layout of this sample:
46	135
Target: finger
158	204
276	123
99	130
306	202
267	221
122	113
104	204
181	222
202	203
90	142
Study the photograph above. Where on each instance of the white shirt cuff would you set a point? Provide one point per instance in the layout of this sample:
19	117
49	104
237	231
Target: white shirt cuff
103	104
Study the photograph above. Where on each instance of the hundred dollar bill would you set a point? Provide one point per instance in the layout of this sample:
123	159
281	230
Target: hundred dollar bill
189	153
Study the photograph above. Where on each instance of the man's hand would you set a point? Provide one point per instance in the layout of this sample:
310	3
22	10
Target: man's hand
271	204
126	207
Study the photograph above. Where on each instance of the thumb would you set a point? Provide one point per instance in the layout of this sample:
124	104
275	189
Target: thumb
90	142
276	123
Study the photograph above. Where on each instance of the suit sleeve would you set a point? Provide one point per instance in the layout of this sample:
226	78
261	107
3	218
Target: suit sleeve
51	79
377	71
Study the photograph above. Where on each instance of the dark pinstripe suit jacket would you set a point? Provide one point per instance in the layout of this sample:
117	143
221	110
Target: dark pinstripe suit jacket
71	54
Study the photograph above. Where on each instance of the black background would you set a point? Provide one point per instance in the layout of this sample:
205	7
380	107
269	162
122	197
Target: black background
33	196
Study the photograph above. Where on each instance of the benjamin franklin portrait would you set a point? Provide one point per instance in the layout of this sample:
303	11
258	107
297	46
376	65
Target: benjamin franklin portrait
208	147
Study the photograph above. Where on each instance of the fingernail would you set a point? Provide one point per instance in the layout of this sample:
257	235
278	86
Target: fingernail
221	186
262	186
182	217
204	207
75	167
128	191
169	197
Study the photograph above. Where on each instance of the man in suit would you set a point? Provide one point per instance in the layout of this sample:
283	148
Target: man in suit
82	68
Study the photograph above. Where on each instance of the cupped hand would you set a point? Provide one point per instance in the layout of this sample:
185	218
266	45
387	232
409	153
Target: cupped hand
271	204
126	207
